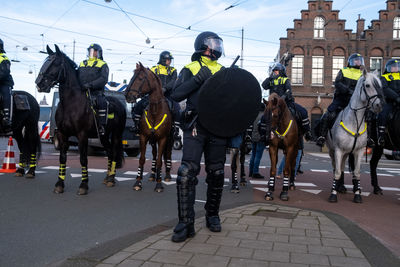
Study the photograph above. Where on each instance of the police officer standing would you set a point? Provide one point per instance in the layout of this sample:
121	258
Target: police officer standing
198	140
93	74
345	83
167	75
391	89
6	84
279	83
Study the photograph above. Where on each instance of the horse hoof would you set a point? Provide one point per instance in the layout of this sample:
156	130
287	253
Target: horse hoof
167	179
20	172
268	196
110	184
159	189
152	178
284	196
332	198
378	191
58	190
30	175
243	182
137	188
235	189
82	191
357	198
342	189
292	187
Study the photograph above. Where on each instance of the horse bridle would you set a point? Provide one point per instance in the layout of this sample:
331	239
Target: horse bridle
139	90
42	74
369	98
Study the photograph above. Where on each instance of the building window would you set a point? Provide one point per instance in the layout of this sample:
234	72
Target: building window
396	28
319	23
337	64
375	63
317	73
297	69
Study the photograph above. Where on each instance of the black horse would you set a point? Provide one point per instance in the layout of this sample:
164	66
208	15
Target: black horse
25	117
392	142
75	117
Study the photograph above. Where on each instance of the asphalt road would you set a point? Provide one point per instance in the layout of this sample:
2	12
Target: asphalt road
38	227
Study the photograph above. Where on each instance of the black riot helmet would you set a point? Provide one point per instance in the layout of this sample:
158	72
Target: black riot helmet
164	56
393	65
355	61
2	46
280	68
95	47
208	40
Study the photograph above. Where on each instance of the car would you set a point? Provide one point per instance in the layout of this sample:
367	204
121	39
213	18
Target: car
44	123
130	141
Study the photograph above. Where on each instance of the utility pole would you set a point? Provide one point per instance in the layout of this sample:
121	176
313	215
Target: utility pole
241	54
73	51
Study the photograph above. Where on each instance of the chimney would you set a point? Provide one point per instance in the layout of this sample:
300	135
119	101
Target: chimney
360	26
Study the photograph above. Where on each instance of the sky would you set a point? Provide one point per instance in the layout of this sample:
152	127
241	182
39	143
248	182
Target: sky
122	27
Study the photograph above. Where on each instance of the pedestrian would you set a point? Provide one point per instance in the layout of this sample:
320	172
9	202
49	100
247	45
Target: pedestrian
257	147
6	84
93	74
198	141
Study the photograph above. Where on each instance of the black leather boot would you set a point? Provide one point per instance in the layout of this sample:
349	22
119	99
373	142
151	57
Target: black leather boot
186	193
323	130
215	183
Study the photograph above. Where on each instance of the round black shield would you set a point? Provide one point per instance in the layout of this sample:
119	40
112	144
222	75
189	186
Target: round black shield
229	102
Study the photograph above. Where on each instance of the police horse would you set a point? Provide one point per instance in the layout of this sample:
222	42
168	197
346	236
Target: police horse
25	117
348	134
285	135
155	124
75	117
392	143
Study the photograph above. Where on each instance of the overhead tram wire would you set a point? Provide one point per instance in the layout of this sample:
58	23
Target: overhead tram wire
69	9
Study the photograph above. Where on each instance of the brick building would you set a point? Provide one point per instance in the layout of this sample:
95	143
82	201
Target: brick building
321	45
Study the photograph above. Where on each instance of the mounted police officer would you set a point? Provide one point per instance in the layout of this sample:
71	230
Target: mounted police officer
197	139
167	75
93	74
6	84
345	83
280	84
391	89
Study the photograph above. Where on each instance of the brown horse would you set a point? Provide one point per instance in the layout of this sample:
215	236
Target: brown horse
155	124
285	136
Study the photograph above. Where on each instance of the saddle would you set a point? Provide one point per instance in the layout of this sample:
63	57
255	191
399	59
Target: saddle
21	102
296	115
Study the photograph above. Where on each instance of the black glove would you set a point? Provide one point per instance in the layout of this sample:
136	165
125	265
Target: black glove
87	86
203	74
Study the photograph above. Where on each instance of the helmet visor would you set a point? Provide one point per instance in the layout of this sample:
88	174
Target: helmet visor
393	66
356	61
93	53
215	44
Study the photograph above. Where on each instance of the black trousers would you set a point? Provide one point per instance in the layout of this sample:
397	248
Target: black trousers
5	92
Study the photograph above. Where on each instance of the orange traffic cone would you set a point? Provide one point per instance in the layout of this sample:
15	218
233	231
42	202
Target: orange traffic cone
9	159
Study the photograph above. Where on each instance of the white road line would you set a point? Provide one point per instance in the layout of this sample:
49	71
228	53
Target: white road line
316	170
169	183
134	173
365	193
264	189
315	192
123	179
201	201
381	174
97	170
40	172
305	184
258	182
389	169
75	175
390	188
52	167
321	155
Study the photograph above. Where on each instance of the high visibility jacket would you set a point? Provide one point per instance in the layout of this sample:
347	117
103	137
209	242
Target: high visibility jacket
391	86
93	73
167	76
5	75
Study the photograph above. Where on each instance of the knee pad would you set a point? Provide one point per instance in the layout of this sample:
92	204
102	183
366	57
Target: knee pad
185	177
216	178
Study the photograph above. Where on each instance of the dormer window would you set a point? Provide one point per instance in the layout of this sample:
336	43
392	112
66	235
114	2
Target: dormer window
319	24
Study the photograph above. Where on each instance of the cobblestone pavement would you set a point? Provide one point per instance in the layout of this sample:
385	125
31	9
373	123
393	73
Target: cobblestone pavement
258	234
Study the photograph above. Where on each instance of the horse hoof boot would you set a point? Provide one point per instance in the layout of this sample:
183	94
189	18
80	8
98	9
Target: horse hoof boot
284	196
235	188
159	188
167	178
83	189
341	189
137	186
183	231
213	223
357	198
332	198
268	196
20	172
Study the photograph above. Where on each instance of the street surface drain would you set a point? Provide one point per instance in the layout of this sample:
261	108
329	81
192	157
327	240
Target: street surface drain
275	214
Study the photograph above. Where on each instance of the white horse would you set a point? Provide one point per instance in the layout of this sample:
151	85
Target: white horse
349	133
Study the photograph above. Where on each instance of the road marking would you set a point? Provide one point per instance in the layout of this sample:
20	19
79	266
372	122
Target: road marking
321	155
258	182
169	183
134	173
390	188
123	179
365	194
389	169
264	189
316	170
381	174
305	184
97	170
52	167
201	201
40	172
75	175
315	192
174	176
1	173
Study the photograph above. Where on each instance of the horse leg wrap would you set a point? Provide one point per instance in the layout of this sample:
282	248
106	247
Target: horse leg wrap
108	166
186	194
234	178
153	166
158	177
285	187
168	165
271	184
61	171
85	175
139	173
356	186
334	186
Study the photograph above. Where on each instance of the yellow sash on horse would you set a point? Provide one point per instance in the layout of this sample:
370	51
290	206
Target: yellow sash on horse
158	125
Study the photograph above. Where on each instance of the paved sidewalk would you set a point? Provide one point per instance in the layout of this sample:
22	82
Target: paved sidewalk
259	234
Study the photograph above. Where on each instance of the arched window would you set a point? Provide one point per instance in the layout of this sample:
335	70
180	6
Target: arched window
319	23
396	28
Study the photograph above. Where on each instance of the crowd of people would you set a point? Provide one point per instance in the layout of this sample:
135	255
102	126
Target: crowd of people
199	141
